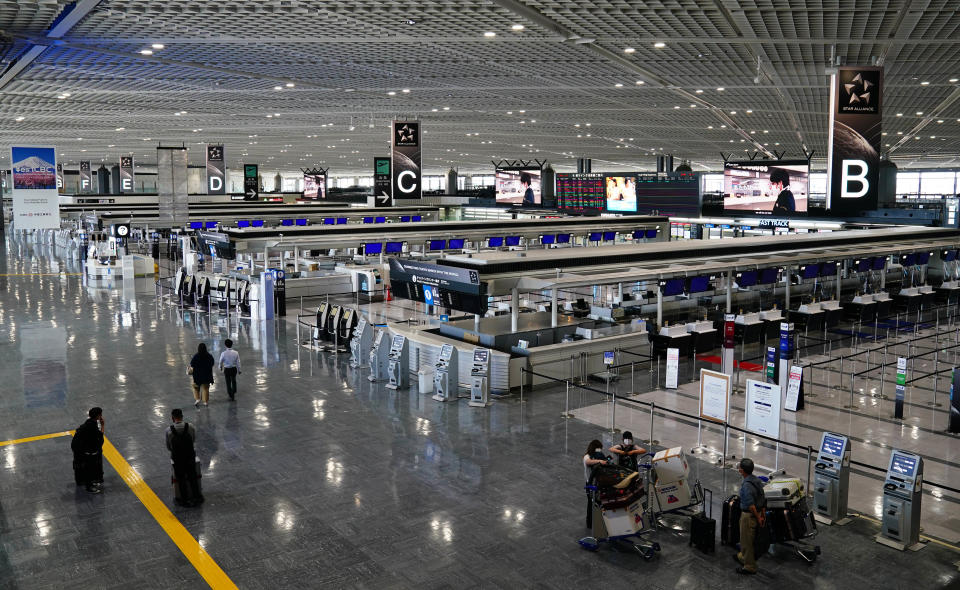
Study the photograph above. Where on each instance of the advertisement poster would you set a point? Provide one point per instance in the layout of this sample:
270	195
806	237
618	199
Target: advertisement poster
126	174
86	178
714	395
381	182
792	402
621	193
853	158
36	204
766	187
251	182
673	367
763	408
518	186
314	186
216	170
405	156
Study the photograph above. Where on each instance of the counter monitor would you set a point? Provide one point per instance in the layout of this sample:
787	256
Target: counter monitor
437	244
548	239
368	219
372	248
513	240
196	225
301	222
768	276
286	222
379	219
456	244
394	247
699	284
211	224
257	223
417	217
404	218
595	236
609	236
243	223
747	278
341	221
563	238
328	221
495	242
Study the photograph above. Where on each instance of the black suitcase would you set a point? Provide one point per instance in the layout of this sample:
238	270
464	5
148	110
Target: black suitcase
791	524
178	498
703	528
730	521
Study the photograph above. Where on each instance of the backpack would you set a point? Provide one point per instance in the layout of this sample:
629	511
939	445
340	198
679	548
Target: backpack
181	445
761	497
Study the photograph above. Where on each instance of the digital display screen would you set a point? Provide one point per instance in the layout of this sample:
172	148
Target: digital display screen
923	257
651	233
949	255
341	221
257	223
212	224
368	219
548	239
903	465
766	187
699	284
609	236
828	269
243	223
437	244
301	222
863	265
518	186
456	244
394	247
372	248
811	271
398	341
563	238
668	193
196	225
404	218
495	242
417	217
580	192
328	221
480	355
379	219
747	278
513	240
832	445
768	276
286	222
595	236
621	193
909	260
672	287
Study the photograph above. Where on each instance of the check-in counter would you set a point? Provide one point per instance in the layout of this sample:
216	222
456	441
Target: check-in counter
862	308
554	359
948	292
704	336
884	304
772	318
832	312
808	317
928	296
675	336
748	327
909	300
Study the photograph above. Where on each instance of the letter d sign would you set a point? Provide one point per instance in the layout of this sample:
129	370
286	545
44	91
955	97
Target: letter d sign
846	177
216	183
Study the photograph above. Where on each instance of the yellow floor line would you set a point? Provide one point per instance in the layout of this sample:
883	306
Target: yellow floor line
17	441
200	559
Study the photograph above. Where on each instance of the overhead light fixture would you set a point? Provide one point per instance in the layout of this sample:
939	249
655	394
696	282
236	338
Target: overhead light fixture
446	108
391	93
899	114
749	111
924	83
919	113
659	44
157	46
699	91
733	112
20	118
278	87
939	120
640	82
119	128
146	52
628	49
618	85
289	84
405	91
720	89
953	80
517	27
489	34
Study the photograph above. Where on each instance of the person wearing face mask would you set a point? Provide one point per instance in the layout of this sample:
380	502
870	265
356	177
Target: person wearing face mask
627	452
592	458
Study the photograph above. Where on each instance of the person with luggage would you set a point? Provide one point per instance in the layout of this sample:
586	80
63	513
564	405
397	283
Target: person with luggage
230	365
628	453
87	447
591	459
201	367
752	504
180	440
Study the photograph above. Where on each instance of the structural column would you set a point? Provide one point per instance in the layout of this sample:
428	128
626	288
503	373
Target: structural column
553	307
729	291
514	309
659	307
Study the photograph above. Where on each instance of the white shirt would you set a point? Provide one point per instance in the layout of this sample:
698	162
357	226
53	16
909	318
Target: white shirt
587	469
230	359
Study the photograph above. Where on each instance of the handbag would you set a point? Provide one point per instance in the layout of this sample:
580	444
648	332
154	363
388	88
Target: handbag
189	370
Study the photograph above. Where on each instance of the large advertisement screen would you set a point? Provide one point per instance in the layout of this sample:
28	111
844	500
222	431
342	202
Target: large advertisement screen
766	187
518	186
314	186
621	192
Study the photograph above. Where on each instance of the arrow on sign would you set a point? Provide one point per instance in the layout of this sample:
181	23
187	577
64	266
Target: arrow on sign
251	194
383	199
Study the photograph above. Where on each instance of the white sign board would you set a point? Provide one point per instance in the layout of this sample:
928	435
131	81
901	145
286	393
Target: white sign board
673	367
793	388
714	395
763	408
36	201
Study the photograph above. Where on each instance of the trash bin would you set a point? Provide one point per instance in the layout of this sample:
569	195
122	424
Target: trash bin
426	380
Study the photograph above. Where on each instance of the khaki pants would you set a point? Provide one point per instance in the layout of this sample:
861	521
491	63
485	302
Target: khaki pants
203	390
748	532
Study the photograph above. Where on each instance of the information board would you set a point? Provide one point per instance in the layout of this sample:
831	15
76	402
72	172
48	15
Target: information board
580	192
714	395
793	388
763	408
673	367
668	193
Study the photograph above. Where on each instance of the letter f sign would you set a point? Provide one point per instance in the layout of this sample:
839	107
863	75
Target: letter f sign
847	177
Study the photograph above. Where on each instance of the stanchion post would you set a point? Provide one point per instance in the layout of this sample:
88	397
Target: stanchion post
809	456
633	390
522	379
652	408
566	413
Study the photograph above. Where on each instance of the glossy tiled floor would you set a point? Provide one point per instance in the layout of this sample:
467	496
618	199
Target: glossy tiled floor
316	478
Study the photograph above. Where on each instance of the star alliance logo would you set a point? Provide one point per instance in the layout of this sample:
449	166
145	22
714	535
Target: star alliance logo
215	152
406	134
859	92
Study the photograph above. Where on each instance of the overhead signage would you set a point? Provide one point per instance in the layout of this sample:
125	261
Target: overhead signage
714	395
3	180
36	204
452	287
767	222
673	368
126	174
794	384
86	178
853	169
381	182
766	187
251	182
216	170
609	357
405	160
59	178
763	408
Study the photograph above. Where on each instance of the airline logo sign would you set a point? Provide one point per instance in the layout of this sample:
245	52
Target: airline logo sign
406	164
855	115
216	170
126	174
86	180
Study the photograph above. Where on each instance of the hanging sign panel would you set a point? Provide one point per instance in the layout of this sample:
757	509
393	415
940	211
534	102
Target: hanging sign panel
853	171
406	170
251	182
86	178
381	182
36	204
216	170
126	174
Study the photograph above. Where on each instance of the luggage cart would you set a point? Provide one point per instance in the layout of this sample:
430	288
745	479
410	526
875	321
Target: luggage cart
622	516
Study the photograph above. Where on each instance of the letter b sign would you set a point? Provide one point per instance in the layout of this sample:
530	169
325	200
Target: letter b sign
854	175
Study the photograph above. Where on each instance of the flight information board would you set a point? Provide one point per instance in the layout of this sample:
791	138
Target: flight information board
668	193
580	192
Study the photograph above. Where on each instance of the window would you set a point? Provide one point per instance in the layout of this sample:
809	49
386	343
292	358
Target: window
818	183
712	183
938	183
908	184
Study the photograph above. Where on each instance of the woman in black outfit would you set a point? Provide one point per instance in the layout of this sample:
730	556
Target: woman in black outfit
201	367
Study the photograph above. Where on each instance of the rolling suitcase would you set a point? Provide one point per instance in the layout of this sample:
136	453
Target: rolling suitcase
178	496
703	528
730	521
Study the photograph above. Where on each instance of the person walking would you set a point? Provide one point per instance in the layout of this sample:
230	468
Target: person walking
752	505
87	447
201	367
230	365
183	455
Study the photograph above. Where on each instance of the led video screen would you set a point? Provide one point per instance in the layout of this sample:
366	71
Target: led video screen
518	186
621	193
766	187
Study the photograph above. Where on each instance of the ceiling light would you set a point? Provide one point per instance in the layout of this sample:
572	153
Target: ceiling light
640	82
699	91
919	113
693	106
489	34
446	108
278	87
517	27
733	112
146	52
659	44
939	120
720	89
924	83
290	84
433	110
709	126
618	85
119	128
157	46
899	114
953	80
628	49
405	91
749	111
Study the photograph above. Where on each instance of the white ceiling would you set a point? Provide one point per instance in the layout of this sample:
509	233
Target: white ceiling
519	94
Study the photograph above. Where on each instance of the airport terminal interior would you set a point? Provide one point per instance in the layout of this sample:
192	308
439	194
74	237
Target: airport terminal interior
504	294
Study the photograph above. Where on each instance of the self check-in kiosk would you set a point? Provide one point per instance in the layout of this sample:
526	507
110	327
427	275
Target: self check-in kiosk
348	320
379	357
333	324
832	479
480	378
320	328
360	343
398	367
902	493
447	376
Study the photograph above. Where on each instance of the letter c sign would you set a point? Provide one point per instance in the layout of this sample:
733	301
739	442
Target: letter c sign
413	179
